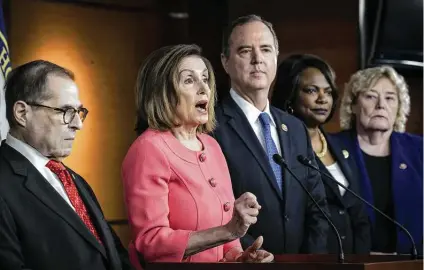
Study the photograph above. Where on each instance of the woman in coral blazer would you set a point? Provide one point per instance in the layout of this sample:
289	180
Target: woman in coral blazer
177	184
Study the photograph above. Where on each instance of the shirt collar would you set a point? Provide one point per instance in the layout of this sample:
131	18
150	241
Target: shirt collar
36	158
252	113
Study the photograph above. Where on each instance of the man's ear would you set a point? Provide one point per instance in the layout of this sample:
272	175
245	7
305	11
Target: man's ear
21	113
224	62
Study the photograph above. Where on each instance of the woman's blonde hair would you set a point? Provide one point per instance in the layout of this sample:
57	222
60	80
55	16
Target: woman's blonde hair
156	89
364	80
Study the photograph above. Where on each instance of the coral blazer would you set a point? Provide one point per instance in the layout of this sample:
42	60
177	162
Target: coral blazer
170	192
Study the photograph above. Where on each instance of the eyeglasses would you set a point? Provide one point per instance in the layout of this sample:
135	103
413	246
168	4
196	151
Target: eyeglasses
68	113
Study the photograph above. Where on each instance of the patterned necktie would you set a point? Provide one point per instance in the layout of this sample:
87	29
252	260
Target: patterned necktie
73	195
271	149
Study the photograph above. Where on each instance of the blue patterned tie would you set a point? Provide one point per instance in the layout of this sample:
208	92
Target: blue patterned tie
271	149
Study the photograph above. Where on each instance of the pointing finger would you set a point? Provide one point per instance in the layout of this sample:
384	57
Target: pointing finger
256	245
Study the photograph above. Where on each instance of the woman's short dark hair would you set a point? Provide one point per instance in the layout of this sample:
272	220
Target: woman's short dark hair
28	83
287	86
156	89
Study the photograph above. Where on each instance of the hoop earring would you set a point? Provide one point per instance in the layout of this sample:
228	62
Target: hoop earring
290	110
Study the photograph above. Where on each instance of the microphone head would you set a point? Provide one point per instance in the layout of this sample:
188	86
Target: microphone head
303	160
278	159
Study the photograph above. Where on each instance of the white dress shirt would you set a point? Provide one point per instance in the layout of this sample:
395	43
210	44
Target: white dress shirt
337	173
39	162
252	114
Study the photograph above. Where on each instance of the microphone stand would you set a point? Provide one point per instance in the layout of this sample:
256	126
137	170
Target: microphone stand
307	162
280	161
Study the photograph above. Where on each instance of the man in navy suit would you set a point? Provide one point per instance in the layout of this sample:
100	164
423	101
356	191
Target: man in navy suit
49	216
250	132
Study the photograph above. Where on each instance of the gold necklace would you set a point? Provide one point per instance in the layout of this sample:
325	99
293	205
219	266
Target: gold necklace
324	145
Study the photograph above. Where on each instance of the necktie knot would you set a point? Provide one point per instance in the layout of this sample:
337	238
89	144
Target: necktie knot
265	119
55	166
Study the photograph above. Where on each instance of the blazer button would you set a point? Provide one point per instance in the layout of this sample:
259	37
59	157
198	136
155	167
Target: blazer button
343	237
227	206
212	182
286	218
202	157
341	212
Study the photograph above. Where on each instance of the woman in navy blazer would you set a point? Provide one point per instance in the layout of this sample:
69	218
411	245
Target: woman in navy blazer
373	115
305	87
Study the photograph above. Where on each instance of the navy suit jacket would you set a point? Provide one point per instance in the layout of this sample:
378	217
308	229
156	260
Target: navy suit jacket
407	183
40	231
289	222
347	212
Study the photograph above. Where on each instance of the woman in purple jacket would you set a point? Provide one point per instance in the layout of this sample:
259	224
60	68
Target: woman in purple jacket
373	115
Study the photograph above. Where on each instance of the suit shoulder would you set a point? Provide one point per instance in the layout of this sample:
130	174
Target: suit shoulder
150	139
341	135
288	119
210	141
149	145
219	111
81	179
334	137
408	139
74	174
207	139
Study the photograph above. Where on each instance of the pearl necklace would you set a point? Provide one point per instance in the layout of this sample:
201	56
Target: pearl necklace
324	146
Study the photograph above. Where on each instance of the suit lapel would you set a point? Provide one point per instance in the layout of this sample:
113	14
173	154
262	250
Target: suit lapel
343	161
95	215
242	128
284	139
340	161
43	191
328	182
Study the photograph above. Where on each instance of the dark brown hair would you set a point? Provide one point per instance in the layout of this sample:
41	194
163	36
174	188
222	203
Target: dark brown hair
242	21
156	89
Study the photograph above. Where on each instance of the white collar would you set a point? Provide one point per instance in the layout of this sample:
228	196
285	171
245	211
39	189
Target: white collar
252	113
36	158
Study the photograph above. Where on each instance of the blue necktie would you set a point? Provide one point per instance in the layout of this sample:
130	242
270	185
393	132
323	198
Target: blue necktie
271	149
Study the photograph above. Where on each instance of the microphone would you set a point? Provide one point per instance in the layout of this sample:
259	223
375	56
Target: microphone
280	161
307	162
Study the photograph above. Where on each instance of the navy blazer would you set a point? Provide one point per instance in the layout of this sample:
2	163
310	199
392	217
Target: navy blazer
289	222
40	231
347	212
407	183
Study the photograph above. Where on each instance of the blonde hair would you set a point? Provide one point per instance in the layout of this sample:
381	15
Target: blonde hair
362	81
156	89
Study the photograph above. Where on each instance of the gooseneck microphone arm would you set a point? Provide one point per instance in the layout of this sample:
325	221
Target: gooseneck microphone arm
280	161
307	162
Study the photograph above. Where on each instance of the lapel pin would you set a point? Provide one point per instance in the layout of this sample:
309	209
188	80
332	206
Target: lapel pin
345	154
403	166
284	127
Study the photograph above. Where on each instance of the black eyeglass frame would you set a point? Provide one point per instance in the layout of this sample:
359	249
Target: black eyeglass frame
71	111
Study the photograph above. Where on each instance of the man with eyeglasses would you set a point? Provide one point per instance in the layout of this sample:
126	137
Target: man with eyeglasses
49	216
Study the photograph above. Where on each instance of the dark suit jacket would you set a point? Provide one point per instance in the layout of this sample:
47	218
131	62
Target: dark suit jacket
407	183
40	231
289	222
347	213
